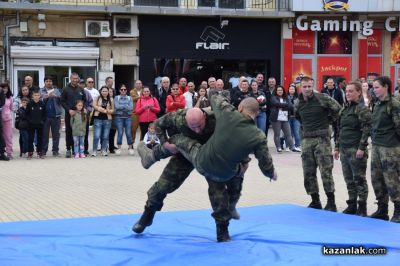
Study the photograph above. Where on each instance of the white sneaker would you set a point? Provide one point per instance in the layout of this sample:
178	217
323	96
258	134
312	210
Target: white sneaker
104	153
296	149
118	152
94	154
287	149
131	152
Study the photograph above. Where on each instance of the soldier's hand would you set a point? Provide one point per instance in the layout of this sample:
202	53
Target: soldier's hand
171	147
336	155
359	154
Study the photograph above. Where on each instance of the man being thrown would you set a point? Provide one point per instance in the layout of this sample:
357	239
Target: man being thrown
199	125
219	159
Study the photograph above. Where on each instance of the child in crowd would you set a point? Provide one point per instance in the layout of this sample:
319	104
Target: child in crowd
22	124
151	139
36	114
78	125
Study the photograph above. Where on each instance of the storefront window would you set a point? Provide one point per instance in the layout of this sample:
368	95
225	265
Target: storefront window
58	74
206	3
237	4
334	42
84	72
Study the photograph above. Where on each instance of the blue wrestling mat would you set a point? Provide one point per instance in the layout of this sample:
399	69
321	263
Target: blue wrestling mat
265	235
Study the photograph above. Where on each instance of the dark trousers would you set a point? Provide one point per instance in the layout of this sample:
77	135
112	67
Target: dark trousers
53	124
2	144
267	123
144	126
69	141
24	140
111	138
39	133
86	142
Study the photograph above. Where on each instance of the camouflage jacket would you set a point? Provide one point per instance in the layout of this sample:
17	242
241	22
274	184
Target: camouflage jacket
386	122
175	123
316	114
236	136
354	126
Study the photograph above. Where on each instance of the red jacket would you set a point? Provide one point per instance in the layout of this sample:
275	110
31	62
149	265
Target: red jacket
147	114
174	103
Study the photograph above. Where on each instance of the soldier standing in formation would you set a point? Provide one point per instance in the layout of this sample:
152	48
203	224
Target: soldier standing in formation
354	126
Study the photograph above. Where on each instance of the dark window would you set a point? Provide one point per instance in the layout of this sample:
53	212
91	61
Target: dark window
207	3
156	3
236	4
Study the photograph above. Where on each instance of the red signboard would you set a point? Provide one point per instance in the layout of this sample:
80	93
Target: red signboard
374	65
303	42
395	58
301	68
334	67
375	42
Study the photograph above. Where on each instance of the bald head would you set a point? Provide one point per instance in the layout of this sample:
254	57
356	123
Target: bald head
195	120
249	106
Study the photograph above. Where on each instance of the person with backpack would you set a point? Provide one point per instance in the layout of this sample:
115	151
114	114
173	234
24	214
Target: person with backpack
354	126
123	112
385	154
147	108
316	111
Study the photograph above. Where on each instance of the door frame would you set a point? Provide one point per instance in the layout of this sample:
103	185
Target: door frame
40	69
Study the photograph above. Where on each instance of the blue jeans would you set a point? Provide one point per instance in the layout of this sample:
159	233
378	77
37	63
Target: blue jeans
295	128
124	124
79	144
101	129
261	120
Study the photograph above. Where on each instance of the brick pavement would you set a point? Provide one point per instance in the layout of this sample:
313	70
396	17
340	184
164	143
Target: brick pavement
56	188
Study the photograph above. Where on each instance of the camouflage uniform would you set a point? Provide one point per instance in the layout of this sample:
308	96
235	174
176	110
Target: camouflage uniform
315	115
385	163
354	131
178	168
219	159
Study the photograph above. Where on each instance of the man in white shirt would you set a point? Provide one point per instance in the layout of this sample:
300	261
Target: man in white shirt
190	95
91	89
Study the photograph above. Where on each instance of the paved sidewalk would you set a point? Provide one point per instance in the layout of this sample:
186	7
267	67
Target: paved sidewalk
56	188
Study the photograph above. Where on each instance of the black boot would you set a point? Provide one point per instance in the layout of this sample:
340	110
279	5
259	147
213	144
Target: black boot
3	157
396	213
351	207
315	202
234	213
145	220
382	212
222	232
362	208
330	205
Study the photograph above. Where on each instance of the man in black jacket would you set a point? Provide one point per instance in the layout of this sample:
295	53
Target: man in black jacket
70	94
161	95
3	157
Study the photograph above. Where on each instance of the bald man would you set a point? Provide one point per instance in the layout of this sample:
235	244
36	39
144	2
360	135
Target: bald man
219	89
197	124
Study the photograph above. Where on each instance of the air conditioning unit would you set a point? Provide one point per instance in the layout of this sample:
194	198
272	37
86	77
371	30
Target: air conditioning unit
98	28
125	26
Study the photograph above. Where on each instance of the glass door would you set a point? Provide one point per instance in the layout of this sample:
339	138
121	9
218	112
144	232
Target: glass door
20	72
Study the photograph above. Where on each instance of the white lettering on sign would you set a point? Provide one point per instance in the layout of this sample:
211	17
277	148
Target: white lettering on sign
212	45
365	27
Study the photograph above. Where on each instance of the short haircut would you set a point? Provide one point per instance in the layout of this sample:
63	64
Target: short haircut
25	99
250	104
306	79
108	78
48	78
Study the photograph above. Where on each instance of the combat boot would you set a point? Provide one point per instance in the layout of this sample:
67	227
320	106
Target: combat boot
222	232
234	213
396	213
382	212
145	220
315	202
330	205
362	208
146	155
351	207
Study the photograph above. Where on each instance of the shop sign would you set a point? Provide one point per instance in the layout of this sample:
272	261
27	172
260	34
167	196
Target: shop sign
333	67
212	39
335	5
303	42
364	27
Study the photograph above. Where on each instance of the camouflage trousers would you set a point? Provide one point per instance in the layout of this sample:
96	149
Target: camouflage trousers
317	152
221	195
385	173
354	171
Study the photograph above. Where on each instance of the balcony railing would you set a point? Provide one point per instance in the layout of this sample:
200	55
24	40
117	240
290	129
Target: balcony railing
263	5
